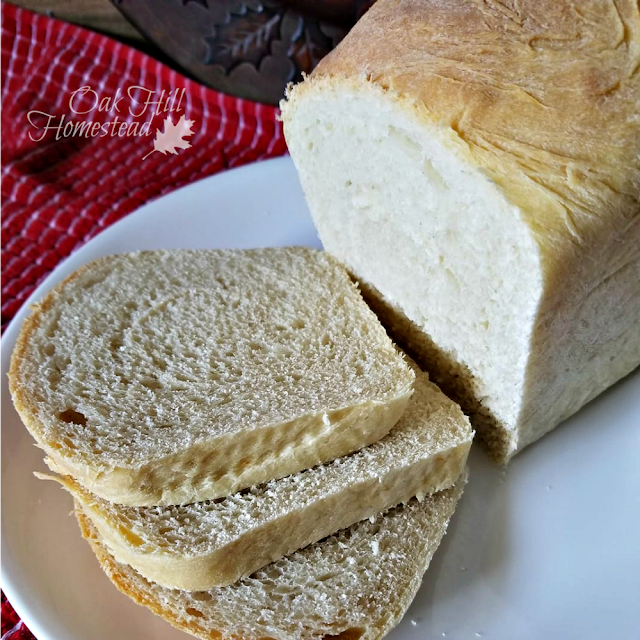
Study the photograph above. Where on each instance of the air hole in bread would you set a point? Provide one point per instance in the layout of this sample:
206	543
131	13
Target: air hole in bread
222	283
285	589
194	612
434	175
334	416
161	364
326	576
348	634
131	537
73	416
49	349
299	324
115	343
151	383
201	596
452	280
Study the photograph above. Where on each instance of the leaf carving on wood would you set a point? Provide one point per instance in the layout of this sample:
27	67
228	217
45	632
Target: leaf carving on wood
250	48
245	38
202	3
313	45
221	11
250	36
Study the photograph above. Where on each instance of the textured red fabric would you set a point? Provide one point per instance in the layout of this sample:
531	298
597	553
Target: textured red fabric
56	194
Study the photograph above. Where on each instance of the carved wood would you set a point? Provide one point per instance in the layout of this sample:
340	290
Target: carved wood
248	48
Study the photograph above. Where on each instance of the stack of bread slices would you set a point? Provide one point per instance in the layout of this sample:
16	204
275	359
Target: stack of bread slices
249	454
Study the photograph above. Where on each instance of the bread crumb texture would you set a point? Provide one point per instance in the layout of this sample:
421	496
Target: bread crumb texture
216	542
337	587
164	377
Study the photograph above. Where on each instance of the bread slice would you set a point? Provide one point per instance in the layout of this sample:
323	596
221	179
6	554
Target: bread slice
355	584
168	377
476	165
217	542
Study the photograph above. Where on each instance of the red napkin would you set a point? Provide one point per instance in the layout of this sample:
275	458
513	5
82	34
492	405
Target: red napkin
58	193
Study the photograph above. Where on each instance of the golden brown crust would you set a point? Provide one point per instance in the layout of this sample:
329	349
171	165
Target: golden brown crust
542	94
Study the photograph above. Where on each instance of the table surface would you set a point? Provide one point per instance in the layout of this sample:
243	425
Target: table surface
99	15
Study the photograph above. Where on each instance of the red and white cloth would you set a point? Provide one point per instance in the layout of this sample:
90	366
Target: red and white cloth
56	194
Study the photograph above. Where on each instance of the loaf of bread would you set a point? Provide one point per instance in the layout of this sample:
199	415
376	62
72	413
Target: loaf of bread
217	542
169	377
476	165
354	585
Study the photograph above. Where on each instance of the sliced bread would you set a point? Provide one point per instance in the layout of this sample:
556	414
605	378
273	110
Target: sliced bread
217	542
168	377
354	585
476	165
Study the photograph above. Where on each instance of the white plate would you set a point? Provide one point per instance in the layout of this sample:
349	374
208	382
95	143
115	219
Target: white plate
549	549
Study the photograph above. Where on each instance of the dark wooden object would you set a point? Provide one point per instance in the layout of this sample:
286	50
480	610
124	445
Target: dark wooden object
99	15
248	48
